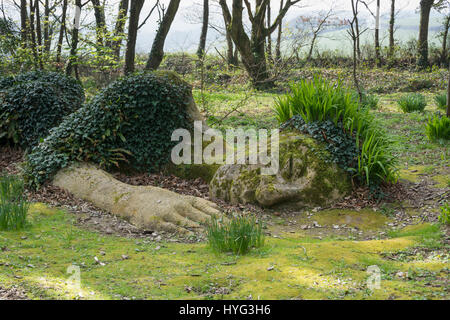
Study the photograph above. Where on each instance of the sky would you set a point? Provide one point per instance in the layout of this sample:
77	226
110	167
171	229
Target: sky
185	30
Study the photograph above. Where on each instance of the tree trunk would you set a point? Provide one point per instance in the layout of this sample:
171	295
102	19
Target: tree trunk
72	64
119	28
448	91
23	23
444	40
47	41
157	53
252	50
269	37
231	56
202	44
39	34
135	10
33	35
62	30
391	31
425	8
280	32
377	36
311	48
99	13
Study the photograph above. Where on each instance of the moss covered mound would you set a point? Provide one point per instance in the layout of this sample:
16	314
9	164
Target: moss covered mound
128	124
32	103
305	177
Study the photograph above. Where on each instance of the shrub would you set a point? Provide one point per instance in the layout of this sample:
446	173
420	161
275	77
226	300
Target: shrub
444	216
238	235
129	122
441	101
368	100
13	204
412	102
438	128
33	103
319	101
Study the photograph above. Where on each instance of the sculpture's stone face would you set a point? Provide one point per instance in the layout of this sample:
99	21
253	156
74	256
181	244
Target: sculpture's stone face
305	178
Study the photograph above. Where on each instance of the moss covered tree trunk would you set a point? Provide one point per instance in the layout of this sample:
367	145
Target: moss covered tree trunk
252	49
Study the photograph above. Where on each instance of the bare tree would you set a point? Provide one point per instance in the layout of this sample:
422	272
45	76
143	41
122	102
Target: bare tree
33	34
100	21
119	28
157	53
62	31
269	37
23	22
445	32
279	35
316	25
204	33
376	16
443	7
355	34
133	24
391	31
38	32
47	40
252	49
72	64
425	9
448	91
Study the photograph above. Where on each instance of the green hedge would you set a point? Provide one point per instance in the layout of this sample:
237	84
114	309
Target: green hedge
130	122
33	103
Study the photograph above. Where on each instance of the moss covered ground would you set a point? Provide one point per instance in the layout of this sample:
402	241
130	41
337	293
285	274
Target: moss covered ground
297	262
297	266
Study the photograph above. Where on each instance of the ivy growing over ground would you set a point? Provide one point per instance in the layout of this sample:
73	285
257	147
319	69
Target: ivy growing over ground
32	103
128	125
340	145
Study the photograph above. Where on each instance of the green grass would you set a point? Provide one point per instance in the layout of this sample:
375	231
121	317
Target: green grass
438	128
37	259
441	101
13	203
412	102
239	235
444	216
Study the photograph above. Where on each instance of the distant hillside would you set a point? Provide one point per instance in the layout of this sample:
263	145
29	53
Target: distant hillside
184	37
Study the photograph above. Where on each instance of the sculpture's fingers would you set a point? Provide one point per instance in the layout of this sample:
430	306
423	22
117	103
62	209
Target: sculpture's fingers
178	219
193	213
206	206
172	228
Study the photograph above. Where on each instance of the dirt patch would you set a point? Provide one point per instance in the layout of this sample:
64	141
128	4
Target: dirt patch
13	293
9	158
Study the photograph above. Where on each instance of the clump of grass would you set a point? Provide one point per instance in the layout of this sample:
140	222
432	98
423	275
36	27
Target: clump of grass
444	217
237	235
438	128
412	102
441	101
13	204
319	100
368	100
